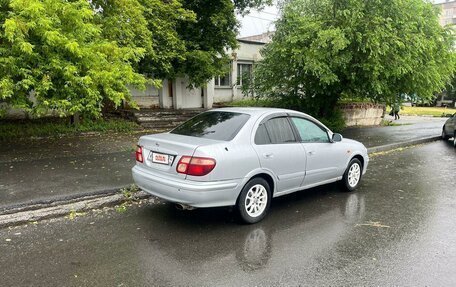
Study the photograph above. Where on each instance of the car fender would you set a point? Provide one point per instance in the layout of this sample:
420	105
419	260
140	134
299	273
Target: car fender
258	171
356	153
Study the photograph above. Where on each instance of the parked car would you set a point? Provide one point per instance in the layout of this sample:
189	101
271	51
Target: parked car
449	129
244	157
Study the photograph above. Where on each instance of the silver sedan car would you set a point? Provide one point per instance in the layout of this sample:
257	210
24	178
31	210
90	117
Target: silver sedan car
449	129
244	157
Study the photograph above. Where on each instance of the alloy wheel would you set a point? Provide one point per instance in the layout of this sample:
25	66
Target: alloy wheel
354	174
256	200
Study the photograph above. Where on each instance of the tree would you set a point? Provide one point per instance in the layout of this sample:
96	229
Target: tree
206	39
72	56
53	50
150	25
180	37
450	91
376	49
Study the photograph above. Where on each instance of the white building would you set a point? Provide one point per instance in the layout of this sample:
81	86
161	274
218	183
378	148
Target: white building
175	94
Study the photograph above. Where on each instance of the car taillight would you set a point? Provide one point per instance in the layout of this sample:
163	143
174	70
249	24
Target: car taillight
196	166
139	154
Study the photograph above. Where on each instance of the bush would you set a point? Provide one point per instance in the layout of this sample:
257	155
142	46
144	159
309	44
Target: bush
335	121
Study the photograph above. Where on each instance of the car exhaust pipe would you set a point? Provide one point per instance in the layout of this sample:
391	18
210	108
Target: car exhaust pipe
182	206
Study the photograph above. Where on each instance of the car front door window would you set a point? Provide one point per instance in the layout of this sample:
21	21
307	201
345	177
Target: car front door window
309	131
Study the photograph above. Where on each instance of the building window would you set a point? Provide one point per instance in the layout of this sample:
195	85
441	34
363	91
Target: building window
244	73
225	80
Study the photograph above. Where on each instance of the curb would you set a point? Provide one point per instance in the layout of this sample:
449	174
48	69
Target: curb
393	146
52	208
56	201
82	205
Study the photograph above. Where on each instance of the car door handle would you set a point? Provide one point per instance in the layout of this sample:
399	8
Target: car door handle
268	155
311	152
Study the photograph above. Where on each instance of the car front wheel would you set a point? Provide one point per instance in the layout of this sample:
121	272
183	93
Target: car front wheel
254	200
352	175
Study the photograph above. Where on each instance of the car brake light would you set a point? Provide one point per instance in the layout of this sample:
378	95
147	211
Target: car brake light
139	154
196	166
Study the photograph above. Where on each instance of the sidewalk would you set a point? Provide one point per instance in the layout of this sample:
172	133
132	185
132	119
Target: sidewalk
410	128
42	170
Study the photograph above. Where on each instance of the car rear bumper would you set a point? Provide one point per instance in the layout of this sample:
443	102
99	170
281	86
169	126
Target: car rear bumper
193	193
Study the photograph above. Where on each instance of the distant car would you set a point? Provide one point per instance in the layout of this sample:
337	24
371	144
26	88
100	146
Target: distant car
244	157
449	129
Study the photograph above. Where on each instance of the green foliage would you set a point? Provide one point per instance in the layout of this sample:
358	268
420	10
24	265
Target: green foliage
149	25
10	130
73	56
52	49
129	192
244	6
206	39
450	90
330	49
335	120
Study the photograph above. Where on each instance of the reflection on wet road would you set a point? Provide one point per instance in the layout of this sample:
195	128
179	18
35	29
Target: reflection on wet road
397	229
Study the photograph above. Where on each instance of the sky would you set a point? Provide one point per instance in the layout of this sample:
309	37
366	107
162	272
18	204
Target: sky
258	22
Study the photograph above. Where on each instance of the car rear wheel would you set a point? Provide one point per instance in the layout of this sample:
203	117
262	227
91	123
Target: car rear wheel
352	175
444	135
454	139
254	201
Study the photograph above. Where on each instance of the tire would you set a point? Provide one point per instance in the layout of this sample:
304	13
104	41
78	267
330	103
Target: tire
256	189
444	135
454	139
352	175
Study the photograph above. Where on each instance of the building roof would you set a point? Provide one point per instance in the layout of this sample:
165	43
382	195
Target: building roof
263	38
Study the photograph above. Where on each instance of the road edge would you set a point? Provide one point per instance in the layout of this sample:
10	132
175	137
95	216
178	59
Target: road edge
74	207
393	146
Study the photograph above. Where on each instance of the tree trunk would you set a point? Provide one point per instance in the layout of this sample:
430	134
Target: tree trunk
75	120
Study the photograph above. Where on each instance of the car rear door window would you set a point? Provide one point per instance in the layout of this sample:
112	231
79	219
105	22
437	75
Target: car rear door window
216	125
309	131
261	136
279	130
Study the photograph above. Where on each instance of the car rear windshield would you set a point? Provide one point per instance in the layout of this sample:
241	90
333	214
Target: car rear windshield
215	125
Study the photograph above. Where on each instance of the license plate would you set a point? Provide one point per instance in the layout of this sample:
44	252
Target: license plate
161	158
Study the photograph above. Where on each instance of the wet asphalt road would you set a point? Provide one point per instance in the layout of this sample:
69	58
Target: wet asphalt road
398	228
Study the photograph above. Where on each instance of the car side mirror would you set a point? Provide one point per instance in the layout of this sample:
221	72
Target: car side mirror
337	138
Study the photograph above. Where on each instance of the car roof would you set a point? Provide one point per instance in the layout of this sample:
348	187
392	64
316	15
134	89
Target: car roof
260	111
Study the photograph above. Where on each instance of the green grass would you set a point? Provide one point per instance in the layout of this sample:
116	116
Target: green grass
427	111
386	123
10	129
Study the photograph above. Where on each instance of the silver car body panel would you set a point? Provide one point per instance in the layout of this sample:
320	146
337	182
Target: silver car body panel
291	166
450	126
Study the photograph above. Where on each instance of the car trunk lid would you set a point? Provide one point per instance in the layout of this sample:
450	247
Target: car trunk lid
162	152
